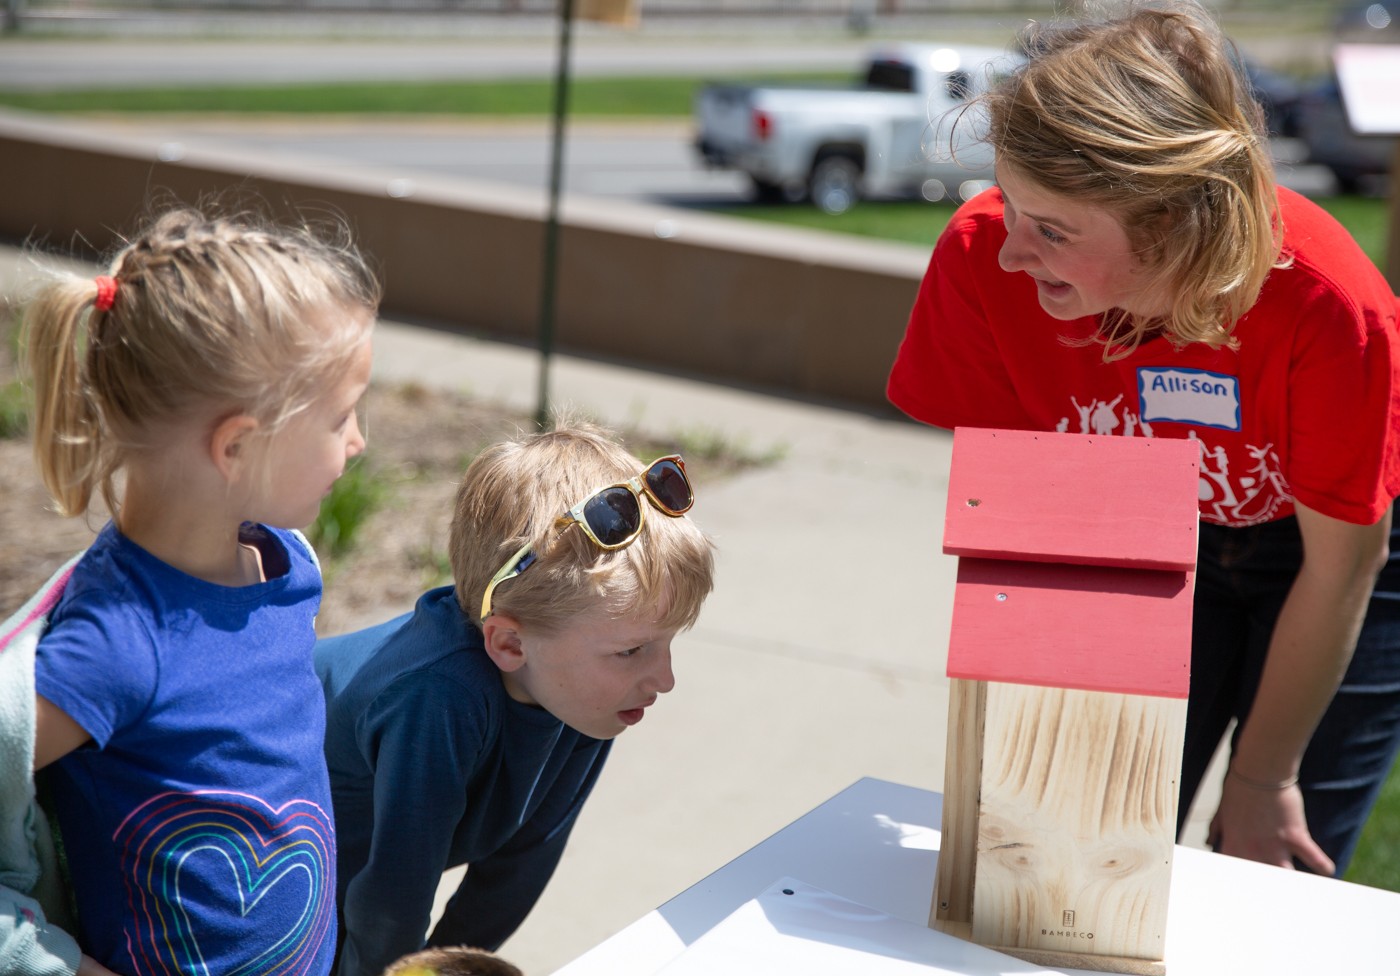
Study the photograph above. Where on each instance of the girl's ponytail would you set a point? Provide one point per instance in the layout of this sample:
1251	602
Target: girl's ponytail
59	329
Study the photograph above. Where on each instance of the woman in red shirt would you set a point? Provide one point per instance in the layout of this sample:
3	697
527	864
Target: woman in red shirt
1137	272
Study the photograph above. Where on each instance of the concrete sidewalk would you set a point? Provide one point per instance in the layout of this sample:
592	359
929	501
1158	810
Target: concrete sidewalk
818	660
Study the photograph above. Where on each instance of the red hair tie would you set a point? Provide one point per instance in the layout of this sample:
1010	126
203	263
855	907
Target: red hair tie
106	293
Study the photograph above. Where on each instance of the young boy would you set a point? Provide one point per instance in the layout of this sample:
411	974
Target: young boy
471	730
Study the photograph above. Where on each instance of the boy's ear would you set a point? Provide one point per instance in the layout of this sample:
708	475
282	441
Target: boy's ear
230	443
503	646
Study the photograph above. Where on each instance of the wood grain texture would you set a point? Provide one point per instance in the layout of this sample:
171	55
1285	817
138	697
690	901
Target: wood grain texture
1073	498
1084	627
1077	819
952	889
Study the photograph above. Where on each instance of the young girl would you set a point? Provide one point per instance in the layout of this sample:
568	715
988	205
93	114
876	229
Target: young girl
216	369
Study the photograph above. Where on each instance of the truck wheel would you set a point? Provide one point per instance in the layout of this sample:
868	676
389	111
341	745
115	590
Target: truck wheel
835	183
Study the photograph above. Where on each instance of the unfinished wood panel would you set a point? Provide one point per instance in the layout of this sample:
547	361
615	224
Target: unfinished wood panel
1073	498
1077	820
952	890
1085	627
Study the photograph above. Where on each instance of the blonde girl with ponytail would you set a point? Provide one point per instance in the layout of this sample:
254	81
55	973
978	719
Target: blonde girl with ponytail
205	389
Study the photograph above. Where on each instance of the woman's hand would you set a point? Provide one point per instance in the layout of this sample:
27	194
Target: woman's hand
1259	817
1266	825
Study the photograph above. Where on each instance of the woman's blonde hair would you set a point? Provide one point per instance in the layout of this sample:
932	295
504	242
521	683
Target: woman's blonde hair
1147	116
514	493
209	312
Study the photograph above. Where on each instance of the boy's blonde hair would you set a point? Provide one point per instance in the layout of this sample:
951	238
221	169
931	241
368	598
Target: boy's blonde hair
451	961
209	313
515	492
1147	117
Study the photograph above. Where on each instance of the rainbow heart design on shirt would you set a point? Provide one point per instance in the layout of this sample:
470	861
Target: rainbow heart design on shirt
261	851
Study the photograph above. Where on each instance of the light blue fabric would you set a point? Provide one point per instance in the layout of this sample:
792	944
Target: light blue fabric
31	943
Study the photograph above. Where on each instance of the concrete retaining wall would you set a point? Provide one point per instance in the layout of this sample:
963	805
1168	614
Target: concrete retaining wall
807	313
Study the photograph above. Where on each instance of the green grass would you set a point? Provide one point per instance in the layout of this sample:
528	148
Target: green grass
646	96
1377	859
921	223
913	222
14	409
353	498
1365	218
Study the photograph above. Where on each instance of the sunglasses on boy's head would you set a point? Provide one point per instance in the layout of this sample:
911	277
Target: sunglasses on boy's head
613	516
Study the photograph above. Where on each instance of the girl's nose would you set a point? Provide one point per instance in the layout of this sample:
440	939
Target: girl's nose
356	442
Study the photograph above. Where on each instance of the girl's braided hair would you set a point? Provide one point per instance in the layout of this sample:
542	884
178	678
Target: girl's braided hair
211	313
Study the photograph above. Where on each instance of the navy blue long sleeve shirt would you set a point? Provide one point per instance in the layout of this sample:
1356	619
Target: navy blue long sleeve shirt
434	765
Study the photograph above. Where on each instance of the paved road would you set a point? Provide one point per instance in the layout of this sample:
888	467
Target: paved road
649	161
122	63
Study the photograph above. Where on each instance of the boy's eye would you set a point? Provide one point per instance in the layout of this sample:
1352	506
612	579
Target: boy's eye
630	652
1050	235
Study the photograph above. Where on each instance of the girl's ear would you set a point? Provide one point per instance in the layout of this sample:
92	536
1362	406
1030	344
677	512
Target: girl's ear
231	443
503	646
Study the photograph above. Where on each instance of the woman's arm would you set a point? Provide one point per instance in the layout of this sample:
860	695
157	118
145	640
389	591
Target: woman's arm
1261	807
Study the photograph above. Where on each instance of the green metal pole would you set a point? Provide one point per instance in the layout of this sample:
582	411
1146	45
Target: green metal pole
548	284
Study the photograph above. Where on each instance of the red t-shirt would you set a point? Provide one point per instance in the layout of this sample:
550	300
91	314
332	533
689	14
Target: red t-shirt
1307	408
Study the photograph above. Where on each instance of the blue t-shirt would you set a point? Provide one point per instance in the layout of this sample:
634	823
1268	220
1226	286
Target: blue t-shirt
198	821
434	765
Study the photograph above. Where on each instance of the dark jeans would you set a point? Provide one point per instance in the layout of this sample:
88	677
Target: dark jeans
1243	576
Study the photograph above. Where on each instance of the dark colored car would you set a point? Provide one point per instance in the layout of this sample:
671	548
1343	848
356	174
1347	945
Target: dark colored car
1359	163
1278	94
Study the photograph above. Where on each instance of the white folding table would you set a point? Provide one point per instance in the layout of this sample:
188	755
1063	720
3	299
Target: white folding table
876	844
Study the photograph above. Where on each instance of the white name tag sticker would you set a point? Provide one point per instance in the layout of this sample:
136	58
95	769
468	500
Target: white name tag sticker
1189	396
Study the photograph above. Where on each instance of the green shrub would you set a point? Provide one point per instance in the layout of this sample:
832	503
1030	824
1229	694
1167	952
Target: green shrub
14	409
355	496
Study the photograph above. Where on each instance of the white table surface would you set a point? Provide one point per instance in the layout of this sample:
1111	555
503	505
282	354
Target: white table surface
876	843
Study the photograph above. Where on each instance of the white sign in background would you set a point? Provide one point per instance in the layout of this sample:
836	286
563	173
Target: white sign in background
1369	76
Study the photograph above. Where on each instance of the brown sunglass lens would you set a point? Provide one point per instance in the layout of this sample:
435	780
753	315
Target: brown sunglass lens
669	486
613	516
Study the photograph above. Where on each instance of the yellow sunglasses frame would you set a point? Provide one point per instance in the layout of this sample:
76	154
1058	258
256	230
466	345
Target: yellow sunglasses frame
637	485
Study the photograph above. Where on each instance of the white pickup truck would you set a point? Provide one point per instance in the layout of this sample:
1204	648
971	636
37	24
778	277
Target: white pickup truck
905	130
